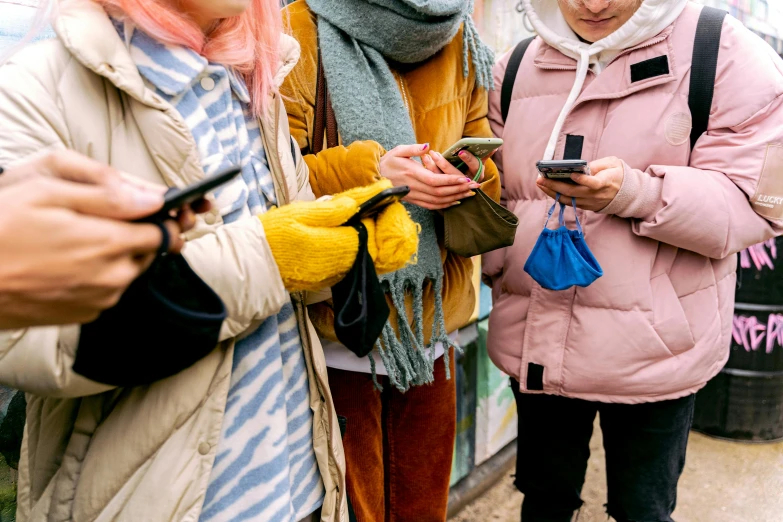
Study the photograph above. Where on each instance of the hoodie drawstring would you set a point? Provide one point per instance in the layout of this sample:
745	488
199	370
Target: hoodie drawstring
582	66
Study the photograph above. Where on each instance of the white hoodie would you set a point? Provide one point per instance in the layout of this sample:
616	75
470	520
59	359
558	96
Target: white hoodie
652	17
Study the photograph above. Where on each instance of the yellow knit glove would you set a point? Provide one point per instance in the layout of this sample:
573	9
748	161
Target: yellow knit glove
313	249
392	238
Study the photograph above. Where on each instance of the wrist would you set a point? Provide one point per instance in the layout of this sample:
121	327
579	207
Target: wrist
367	158
638	198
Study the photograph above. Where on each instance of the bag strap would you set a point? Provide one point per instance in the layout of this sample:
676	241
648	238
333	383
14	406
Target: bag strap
704	64
561	214
511	75
325	122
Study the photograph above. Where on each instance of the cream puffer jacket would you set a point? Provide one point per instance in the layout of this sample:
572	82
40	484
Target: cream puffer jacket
94	453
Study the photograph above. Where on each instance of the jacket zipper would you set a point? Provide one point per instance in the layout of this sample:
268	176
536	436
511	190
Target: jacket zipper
403	91
650	43
276	169
579	102
304	333
270	144
553	67
645	45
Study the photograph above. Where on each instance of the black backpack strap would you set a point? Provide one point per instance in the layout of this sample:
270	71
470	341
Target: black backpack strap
511	75
703	68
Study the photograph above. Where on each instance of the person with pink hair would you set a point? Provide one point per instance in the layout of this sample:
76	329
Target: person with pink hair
170	92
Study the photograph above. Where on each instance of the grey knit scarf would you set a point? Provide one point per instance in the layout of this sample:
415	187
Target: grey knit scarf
356	38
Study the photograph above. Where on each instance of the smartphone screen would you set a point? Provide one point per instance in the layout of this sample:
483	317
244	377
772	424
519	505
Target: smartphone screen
561	170
381	201
177	198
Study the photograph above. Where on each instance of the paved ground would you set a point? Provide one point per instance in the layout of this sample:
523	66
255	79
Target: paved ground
723	482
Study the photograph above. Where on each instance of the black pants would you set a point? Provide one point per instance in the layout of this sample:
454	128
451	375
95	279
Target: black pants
645	455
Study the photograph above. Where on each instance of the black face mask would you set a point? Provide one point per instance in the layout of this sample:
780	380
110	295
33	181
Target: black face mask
360	308
166	321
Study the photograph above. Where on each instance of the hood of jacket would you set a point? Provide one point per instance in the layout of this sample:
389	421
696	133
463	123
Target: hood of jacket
652	17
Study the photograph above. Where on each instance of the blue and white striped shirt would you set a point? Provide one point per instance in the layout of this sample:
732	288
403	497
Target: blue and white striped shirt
265	469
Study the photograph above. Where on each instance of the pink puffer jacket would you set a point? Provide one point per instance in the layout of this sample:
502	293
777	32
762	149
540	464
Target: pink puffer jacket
657	325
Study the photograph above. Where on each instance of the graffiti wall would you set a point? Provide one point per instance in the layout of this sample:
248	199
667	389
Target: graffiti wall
757	326
12	416
745	401
467	374
496	411
486	411
755	334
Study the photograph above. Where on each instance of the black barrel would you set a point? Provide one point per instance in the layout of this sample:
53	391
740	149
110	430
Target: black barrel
760	274
745	401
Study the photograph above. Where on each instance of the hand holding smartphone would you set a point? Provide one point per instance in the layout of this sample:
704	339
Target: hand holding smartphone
561	170
177	198
481	148
377	203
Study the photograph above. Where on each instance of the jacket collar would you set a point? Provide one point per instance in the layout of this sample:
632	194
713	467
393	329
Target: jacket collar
171	69
548	57
289	53
652	17
88	33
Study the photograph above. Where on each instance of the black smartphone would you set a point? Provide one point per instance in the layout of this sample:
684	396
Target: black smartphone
561	170
177	198
380	201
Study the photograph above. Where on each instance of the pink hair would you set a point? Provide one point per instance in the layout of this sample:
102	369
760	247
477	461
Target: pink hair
249	42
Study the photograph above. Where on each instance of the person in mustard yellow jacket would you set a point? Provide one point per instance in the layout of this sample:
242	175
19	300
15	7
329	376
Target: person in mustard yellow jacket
406	80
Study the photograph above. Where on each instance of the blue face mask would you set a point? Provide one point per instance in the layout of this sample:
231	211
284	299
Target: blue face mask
561	258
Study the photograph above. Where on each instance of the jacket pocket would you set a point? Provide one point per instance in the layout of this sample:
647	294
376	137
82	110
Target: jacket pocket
669	320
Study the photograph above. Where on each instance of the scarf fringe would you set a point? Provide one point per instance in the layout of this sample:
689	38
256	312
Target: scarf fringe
414	365
361	83
482	54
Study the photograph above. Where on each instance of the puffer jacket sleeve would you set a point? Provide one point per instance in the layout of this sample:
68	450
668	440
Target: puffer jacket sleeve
332	170
342	168
339	168
731	194
492	262
237	263
36	360
39	361
477	126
